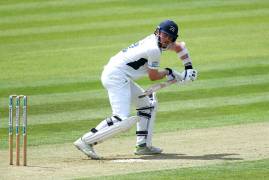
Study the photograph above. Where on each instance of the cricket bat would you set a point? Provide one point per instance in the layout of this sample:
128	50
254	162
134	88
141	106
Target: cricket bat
157	87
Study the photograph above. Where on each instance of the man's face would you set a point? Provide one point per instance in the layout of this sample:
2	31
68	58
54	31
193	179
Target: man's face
165	39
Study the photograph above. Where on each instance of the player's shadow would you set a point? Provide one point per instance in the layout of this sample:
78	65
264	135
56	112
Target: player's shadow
166	156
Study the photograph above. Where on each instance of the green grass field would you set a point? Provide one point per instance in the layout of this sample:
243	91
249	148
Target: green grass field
54	52
246	170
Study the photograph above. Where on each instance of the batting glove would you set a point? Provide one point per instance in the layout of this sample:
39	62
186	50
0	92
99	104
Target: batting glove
189	75
172	74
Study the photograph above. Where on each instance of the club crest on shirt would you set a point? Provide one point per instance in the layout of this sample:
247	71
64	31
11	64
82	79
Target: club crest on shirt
155	64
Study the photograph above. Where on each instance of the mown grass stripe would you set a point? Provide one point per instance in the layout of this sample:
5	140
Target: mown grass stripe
201	35
214	102
57	24
63	6
188	93
15	5
42	134
129	29
227	91
63	117
65	97
103	110
44	25
68	106
74	34
64	46
212	116
47	82
91	11
183	123
91	109
93	85
223	109
195	19
96	26
219	83
68	87
234	72
198	86
186	98
83	101
253	60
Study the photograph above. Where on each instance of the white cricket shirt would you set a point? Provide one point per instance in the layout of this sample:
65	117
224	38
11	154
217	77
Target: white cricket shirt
137	58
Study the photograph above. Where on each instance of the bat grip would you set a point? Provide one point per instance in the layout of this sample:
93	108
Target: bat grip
141	96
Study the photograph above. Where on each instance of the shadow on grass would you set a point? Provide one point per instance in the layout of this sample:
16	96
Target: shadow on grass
166	156
174	156
40	167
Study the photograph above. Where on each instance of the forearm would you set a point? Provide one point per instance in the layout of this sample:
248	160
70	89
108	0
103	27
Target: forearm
162	74
183	54
155	74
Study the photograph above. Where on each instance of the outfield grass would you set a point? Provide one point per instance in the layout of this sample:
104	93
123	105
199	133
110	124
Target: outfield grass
251	170
54	52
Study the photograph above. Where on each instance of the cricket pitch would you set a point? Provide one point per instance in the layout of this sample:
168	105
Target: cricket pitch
189	148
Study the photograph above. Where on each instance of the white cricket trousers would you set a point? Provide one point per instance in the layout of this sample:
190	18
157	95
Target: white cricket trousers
122	92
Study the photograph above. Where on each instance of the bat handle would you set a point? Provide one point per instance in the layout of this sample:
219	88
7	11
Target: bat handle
141	96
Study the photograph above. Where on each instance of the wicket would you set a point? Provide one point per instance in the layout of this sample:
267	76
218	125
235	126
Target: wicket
17	126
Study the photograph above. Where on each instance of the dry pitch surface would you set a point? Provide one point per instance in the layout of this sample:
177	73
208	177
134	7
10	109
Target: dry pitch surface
181	149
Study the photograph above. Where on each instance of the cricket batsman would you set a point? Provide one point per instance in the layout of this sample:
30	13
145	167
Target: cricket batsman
139	59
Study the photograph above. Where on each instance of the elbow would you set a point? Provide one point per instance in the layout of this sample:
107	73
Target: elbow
153	78
153	74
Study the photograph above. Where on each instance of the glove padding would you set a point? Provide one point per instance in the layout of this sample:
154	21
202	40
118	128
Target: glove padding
189	75
172	74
